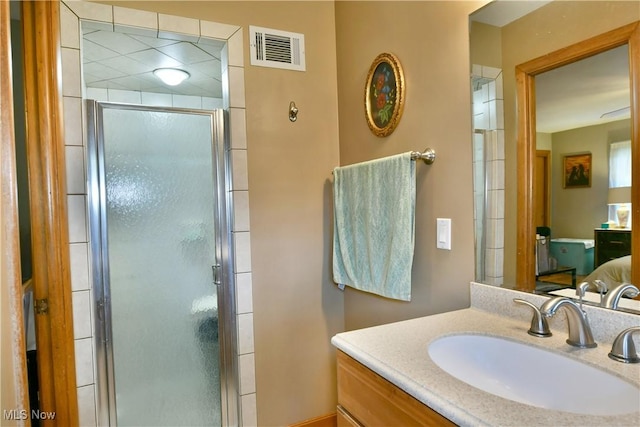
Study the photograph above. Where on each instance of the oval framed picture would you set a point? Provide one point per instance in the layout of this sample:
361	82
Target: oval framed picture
384	94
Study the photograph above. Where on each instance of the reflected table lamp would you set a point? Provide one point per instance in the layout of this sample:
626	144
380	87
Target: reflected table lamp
620	196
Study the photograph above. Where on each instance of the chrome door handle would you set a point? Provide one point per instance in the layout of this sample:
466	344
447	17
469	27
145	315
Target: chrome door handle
216	274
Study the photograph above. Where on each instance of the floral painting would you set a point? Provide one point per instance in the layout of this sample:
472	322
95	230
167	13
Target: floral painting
384	94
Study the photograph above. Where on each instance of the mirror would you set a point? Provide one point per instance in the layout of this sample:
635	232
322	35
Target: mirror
516	56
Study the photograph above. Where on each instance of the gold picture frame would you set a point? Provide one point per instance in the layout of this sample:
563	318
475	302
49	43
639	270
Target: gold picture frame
384	94
577	170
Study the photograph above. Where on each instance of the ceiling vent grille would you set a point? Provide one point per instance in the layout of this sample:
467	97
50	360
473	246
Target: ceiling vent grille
276	49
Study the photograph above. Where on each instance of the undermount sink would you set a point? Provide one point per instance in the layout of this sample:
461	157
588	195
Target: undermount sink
533	376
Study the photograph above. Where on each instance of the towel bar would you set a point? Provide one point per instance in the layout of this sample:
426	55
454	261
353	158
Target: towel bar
428	155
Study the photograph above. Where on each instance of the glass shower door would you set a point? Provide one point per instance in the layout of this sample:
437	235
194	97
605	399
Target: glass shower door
158	204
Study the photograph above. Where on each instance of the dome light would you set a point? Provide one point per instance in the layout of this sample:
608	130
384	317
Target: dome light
171	76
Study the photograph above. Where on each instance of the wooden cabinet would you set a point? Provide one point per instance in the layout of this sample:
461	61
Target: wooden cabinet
367	399
611	244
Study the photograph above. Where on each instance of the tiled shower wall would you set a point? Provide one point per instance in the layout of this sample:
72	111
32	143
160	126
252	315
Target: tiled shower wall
488	115
71	13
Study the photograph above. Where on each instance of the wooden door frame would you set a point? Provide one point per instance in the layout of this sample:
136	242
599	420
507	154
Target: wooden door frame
546	154
525	92
48	211
15	394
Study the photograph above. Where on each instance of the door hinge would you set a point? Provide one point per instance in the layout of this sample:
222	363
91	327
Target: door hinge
41	306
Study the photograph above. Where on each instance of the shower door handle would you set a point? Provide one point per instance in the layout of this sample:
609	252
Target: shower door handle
216	274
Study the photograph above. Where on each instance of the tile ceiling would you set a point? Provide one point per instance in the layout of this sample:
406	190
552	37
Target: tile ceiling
117	60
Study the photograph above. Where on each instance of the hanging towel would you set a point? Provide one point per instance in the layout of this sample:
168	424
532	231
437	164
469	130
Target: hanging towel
373	233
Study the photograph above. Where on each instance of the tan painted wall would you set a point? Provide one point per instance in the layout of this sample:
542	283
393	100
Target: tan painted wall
296	307
431	40
483	41
549	28
576	212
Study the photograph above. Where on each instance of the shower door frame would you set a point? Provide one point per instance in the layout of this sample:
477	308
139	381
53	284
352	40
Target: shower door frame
222	275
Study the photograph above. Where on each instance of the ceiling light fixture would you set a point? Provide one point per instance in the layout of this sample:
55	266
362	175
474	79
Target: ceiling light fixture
171	76
616	113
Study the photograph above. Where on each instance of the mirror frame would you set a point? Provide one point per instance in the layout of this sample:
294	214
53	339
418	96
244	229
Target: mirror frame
526	122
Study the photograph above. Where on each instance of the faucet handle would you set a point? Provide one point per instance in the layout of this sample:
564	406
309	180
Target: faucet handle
581	289
539	326
623	349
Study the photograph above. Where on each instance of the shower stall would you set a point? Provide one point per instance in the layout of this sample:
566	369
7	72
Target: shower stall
161	267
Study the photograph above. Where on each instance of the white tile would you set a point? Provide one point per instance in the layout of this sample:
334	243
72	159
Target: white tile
216	30
495	233
224	80
476	70
178	28
240	211
479	121
499	114
209	103
185	52
82	326
77	219
497	180
91	10
235	46
71	82
135	18
499	90
236	87
79	261
69	28
245	333
157	99
247	373
493	123
84	362
242	252
94	52
126	96
155	59
72	120
249	410
117	42
244	293
239	170
186	101
238	128
74	159
87	406
98	94
492	90
490	72
500	145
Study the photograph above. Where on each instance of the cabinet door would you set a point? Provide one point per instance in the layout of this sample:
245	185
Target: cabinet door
374	401
611	244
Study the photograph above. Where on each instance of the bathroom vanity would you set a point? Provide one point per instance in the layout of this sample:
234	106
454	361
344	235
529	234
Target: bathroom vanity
386	376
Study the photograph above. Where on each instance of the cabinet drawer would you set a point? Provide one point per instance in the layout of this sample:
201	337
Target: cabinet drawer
373	401
611	244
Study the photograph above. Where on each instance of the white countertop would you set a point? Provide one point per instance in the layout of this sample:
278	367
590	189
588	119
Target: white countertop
399	353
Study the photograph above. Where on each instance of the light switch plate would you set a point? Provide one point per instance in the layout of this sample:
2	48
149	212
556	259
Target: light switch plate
443	234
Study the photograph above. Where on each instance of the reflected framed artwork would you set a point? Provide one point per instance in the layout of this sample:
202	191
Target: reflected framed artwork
577	170
384	94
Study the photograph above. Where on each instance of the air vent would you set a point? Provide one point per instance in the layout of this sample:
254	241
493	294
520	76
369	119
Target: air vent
276	49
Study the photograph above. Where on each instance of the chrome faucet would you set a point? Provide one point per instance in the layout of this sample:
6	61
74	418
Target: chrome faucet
584	286
579	330
624	350
612	298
